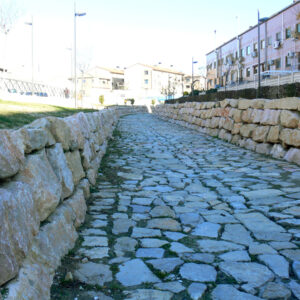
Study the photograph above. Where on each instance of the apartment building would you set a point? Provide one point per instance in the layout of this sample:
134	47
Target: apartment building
99	80
236	61
148	82
199	83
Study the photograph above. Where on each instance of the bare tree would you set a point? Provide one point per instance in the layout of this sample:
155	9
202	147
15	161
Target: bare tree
169	90
8	15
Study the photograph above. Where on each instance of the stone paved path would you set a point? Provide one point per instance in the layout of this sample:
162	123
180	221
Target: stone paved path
180	215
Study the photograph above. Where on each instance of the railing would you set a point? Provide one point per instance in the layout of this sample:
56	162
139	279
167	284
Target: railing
269	78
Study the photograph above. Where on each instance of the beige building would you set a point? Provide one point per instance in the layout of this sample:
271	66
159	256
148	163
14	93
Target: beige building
199	83
100	80
146	83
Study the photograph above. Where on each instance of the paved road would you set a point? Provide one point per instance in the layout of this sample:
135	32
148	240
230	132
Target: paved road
180	215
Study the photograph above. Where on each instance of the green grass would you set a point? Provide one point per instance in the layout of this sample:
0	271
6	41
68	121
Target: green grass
18	114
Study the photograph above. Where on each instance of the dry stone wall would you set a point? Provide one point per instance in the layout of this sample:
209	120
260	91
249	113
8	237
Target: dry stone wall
270	127
46	169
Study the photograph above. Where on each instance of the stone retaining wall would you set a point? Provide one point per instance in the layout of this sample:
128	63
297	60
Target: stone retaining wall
269	127
46	169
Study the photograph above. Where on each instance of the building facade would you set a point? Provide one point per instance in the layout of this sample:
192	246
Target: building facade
153	82
237	60
199	83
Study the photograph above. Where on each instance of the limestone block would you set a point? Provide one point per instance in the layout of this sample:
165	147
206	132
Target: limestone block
213	132
19	223
225	103
224	112
228	125
86	156
246	115
247	130
258	103
263	148
233	102
273	135
60	167
85	125
293	155
290	137
30	139
214	122
291	103
39	175
11	156
62	133
49	246
289	119
222	122
227	137
75	127
237	116
235	139
45	125
256	116
222	134
271	104
85	186
78	205
250	144
92	120
244	103
74	164
270	117
278	151
260	133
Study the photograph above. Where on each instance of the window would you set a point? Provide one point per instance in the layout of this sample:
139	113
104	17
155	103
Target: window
262	44
255	47
278	63
146	81
215	65
288	62
269	41
236	54
255	69
248	72
242	52
278	36
232	77
248	50
298	28
146	72
288	33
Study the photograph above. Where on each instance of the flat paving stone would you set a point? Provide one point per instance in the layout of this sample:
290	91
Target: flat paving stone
198	272
95	241
166	264
252	273
95	252
175	236
92	273
228	292
237	233
139	232
150	252
135	272
152	243
277	263
207	229
162	211
180	248
213	246
173	286
147	294
273	290
235	256
164	224
196	290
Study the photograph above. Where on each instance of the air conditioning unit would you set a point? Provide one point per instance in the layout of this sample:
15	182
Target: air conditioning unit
291	54
254	54
276	44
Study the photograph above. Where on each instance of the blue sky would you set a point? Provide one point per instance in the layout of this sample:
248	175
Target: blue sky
122	32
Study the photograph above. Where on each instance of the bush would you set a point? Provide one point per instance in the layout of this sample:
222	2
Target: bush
101	99
153	101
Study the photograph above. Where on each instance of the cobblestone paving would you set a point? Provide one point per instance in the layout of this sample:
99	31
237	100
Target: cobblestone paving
180	215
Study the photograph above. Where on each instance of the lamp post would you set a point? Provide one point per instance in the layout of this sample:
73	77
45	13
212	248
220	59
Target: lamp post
75	63
32	61
259	21
192	86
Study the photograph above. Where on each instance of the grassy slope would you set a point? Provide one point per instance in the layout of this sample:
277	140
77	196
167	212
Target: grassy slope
17	114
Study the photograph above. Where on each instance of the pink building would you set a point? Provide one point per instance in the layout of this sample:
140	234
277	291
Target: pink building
236	61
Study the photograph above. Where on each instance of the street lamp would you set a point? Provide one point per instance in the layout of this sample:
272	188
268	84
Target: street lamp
75	63
32	62
259	21
193	62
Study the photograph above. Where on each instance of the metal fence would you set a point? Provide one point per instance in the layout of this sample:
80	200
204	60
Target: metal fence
29	88
268	78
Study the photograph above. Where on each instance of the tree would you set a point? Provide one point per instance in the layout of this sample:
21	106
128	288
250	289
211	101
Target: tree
169	90
8	15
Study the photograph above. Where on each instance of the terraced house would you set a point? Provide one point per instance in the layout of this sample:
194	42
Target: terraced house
235	63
